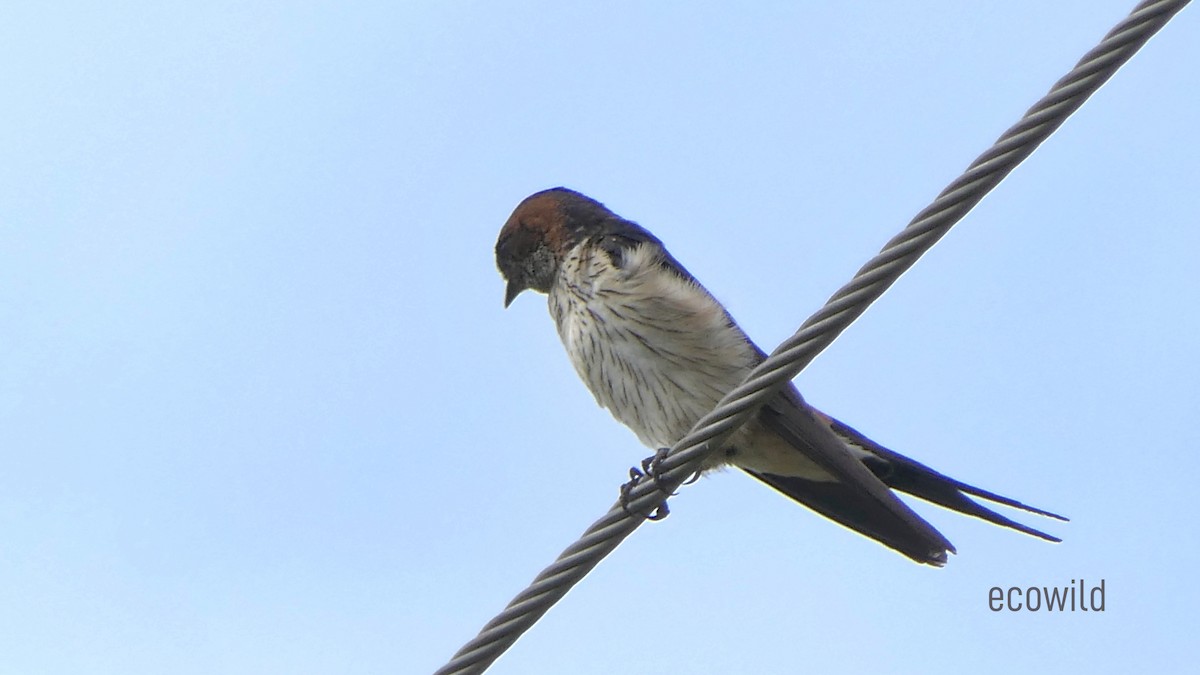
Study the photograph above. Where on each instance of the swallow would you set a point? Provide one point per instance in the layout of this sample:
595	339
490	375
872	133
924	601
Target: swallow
659	351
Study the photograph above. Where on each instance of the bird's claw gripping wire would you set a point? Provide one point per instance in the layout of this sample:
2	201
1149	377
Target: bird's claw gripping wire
652	469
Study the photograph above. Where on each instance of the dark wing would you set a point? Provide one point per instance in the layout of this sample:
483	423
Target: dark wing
918	480
857	498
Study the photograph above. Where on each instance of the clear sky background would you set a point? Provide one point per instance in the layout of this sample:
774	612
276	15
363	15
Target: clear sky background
261	410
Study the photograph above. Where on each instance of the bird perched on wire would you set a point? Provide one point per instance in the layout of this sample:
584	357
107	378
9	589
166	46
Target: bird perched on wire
659	352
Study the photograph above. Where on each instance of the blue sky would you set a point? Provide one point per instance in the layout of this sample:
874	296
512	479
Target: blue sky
261	409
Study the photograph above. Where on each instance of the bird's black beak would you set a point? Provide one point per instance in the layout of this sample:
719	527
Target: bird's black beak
514	289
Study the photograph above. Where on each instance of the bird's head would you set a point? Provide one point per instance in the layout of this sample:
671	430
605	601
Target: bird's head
539	234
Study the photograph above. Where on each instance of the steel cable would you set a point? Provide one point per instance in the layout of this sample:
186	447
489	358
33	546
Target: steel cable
1092	71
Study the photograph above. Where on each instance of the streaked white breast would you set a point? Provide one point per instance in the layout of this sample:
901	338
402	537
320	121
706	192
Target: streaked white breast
655	349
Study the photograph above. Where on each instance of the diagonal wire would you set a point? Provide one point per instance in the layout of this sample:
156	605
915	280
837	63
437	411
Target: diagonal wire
1092	71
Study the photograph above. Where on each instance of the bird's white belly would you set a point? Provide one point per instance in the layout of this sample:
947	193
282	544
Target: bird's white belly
656	368
655	394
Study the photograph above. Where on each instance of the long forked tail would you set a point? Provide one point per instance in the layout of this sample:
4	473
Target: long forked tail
912	477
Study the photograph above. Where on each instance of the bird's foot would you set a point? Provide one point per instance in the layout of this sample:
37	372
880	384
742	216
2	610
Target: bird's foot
652	466
652	469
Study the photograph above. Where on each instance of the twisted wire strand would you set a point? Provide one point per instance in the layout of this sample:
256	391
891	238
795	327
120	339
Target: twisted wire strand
846	305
